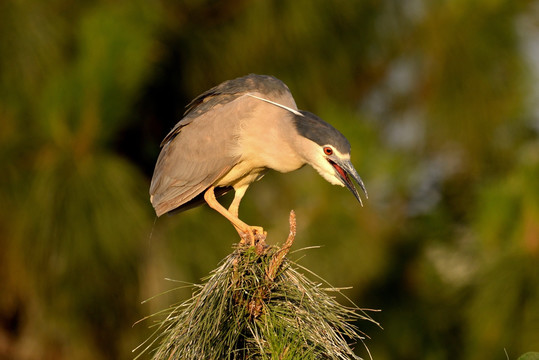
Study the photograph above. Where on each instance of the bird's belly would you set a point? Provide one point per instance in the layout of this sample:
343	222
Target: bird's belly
241	174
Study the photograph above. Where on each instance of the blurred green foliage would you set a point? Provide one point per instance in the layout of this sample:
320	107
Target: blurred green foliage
439	100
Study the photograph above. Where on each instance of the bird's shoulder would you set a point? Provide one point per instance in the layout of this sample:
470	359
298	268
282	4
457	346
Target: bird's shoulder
232	89
229	91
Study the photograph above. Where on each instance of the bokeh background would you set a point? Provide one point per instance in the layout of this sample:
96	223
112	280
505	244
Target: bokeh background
438	98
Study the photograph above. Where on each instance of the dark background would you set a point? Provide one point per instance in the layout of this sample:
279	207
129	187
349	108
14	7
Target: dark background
438	98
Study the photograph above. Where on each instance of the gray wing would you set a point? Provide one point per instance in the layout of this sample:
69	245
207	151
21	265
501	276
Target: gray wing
191	161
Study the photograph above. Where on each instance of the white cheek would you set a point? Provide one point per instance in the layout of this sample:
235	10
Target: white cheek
328	173
313	155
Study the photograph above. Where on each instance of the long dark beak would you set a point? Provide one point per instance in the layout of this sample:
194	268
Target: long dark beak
345	169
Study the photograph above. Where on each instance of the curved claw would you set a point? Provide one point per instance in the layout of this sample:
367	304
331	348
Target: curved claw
252	234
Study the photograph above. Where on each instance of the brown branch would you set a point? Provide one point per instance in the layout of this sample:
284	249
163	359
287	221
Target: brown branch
278	257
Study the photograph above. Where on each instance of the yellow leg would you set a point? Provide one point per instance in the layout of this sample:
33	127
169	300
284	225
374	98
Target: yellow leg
235	205
232	214
234	210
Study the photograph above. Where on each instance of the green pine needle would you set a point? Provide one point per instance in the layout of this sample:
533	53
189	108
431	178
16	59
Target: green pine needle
257	305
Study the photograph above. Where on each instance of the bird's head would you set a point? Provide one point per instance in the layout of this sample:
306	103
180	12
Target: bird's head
328	151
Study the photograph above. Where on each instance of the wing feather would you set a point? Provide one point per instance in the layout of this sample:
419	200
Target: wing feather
198	154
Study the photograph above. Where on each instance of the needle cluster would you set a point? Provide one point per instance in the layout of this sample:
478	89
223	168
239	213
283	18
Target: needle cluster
257	305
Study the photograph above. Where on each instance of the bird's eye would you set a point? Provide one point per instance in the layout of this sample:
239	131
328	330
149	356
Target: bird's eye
328	150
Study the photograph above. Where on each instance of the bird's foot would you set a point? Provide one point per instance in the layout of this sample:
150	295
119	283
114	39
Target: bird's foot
253	236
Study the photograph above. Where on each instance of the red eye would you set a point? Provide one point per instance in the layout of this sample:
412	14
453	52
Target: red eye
328	150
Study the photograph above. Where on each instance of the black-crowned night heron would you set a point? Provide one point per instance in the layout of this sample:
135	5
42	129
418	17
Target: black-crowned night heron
231	135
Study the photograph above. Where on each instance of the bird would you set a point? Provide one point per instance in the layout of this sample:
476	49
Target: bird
231	135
